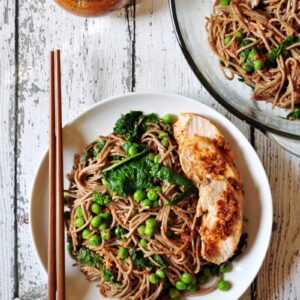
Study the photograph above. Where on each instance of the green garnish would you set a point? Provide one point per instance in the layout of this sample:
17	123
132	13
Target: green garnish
290	40
100	146
101	199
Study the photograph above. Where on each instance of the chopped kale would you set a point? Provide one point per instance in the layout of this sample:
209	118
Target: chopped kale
129	177
294	115
290	40
139	174
100	146
128	125
134	124
85	256
101	198
107	275
157	258
140	261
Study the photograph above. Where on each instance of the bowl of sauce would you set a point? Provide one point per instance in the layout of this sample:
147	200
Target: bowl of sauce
91	8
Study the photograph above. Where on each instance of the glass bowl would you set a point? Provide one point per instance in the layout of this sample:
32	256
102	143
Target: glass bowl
189	23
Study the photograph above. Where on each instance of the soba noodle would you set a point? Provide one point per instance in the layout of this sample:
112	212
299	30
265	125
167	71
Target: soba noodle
176	240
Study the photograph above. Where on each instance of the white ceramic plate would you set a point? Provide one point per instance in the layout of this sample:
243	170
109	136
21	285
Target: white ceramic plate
100	120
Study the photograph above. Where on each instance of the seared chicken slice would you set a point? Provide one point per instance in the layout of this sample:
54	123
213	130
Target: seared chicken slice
209	162
221	226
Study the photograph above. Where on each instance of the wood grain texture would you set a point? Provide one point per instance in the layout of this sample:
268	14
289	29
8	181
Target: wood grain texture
7	157
280	275
131	50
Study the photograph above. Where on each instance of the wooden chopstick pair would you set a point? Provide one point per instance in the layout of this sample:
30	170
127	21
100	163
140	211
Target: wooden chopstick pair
56	243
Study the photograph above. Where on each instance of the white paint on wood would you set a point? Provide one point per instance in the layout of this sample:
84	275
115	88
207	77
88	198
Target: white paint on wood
7	128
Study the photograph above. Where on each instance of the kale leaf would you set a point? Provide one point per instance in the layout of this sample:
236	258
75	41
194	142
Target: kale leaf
107	275
101	198
134	124
85	256
290	40
140	261
295	114
157	258
139	174
128	125
128	178
100	146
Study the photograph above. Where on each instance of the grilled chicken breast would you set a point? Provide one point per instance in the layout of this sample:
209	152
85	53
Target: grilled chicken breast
208	161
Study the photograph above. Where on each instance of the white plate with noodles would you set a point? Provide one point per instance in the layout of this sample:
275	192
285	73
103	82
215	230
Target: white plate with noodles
100	121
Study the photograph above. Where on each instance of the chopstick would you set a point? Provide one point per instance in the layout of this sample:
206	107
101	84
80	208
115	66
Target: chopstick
52	189
56	246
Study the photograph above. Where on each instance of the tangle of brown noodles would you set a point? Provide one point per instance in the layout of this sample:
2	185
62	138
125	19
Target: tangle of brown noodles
176	238
266	23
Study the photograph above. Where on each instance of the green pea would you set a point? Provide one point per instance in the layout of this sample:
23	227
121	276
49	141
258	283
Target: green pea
123	252
258	64
151	156
154	204
146	202
153	278
144	243
132	150
164	187
186	277
119	230
202	279
94	240
104	182
247	68
224	2
79	222
149	231
168	119
181	286
141	230
158	189
223	285
96	221
174	293
79	212
163	134
157	158
69	247
66	194
152	195
151	223
105	215
239	35
95	208
118	286
227	40
86	233
139	195
165	143
226	268
105	235
160	273
103	226
207	271
252	53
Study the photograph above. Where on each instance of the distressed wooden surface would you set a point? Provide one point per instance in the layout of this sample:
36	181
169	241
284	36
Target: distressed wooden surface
131	50
7	149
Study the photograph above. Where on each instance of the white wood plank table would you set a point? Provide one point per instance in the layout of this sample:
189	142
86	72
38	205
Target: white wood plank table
131	50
